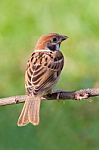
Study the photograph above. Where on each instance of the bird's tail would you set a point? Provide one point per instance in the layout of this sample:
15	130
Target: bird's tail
30	112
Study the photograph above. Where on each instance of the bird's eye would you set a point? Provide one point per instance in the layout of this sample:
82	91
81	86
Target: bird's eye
54	39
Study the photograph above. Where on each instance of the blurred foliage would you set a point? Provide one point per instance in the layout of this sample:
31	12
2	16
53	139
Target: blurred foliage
69	125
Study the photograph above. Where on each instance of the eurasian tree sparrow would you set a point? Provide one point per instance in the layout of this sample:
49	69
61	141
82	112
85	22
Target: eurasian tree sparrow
43	71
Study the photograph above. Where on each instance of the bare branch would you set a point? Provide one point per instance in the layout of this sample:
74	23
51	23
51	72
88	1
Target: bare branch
58	95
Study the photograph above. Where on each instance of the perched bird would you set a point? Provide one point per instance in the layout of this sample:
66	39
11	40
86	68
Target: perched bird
42	72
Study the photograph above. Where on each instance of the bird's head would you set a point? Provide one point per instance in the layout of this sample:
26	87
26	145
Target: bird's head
50	41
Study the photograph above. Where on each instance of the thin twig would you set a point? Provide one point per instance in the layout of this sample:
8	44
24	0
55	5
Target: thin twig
58	95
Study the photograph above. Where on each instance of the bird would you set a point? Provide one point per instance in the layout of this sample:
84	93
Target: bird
42	73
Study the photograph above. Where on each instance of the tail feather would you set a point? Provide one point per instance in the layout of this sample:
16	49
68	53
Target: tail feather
30	112
33	112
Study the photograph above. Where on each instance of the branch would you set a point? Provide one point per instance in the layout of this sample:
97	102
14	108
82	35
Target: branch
58	95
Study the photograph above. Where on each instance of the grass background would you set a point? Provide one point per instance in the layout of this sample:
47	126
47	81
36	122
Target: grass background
70	125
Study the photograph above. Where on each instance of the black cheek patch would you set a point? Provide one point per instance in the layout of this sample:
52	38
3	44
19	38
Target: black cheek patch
52	47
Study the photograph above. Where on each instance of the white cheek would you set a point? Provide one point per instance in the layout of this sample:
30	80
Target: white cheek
57	47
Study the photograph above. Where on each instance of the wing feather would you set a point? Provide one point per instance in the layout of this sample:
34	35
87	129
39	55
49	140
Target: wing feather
42	71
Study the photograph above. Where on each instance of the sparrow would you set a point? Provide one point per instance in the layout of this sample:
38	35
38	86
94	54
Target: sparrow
42	73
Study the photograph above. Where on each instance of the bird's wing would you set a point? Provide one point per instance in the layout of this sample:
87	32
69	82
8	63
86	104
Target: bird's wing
43	70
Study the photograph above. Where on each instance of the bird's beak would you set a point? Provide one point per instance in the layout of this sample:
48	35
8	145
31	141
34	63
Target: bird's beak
64	37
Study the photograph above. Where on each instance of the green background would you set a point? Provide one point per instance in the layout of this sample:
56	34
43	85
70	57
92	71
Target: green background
70	125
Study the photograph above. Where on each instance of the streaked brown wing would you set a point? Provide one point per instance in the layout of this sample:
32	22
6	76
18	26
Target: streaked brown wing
43	71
